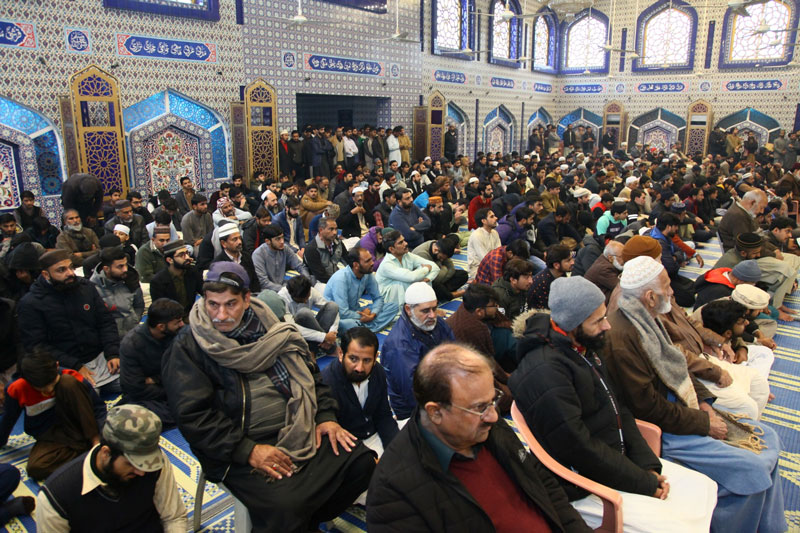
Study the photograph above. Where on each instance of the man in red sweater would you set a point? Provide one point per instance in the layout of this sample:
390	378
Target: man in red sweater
484	199
456	451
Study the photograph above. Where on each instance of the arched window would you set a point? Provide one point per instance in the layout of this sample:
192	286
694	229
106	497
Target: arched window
452	28
744	44
544	43
505	37
582	46
665	36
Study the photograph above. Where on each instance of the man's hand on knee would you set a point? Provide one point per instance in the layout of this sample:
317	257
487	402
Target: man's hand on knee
337	435
270	460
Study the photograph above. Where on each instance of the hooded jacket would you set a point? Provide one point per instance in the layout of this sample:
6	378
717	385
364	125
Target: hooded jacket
572	416
123	298
74	325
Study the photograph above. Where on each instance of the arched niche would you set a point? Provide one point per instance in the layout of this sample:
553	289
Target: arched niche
764	127
168	135
457	116
658	128
31	158
498	130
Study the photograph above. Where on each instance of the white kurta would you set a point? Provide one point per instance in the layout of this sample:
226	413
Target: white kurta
688	507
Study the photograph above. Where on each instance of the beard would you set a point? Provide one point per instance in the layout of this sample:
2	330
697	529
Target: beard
619	266
379	248
590	342
423	325
69	284
663	306
76	228
355	376
186	265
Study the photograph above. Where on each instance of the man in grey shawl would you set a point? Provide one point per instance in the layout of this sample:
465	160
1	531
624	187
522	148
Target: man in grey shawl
652	377
249	398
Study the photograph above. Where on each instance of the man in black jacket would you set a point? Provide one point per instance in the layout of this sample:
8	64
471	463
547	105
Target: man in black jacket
562	389
250	401
355	219
141	352
457	466
65	314
180	281
326	253
358	382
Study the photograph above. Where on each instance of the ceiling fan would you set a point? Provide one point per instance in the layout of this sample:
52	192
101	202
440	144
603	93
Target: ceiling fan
507	14
301	20
463	51
398	36
739	7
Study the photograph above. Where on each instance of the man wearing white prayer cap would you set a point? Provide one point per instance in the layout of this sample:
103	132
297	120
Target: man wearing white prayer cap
653	381
562	388
417	331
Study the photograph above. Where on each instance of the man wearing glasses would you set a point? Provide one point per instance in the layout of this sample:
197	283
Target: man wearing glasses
458	466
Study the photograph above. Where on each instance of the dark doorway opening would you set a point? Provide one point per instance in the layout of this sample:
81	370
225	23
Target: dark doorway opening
346	111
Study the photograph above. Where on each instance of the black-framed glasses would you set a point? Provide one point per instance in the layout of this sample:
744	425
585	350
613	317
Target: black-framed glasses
482	411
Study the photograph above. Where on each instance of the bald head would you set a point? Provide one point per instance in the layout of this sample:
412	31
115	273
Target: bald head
433	376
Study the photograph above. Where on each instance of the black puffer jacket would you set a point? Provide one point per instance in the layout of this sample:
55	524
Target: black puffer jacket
74	325
410	492
587	255
211	404
571	415
10	345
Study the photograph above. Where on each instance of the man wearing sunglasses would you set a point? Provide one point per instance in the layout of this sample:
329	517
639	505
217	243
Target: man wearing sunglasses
458	466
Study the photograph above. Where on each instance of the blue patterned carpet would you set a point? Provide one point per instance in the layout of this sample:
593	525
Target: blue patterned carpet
783	414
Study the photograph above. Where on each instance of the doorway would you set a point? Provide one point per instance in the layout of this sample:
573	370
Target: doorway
346	111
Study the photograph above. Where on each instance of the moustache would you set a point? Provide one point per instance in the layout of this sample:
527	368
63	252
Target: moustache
226	321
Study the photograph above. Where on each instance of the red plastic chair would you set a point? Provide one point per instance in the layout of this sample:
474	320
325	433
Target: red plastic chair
612	499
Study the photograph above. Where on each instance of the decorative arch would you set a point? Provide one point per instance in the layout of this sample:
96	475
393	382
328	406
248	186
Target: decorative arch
614	117
667	32
539	118
98	125
505	37
545	42
584	36
452	27
437	107
168	135
698	128
659	128
581	117
764	127
498	130
31	158
261	118
741	47
456	115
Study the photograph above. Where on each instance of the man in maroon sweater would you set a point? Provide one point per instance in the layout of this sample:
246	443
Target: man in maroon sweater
457	452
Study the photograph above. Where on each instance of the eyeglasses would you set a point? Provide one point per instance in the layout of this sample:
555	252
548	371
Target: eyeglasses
483	410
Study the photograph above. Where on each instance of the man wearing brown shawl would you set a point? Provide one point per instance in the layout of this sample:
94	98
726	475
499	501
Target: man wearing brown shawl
250	400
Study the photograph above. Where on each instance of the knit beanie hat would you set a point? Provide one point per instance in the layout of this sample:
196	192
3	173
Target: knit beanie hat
24	257
747	271
571	301
641	245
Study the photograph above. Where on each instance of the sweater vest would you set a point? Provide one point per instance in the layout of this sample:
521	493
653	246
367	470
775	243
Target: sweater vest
132	511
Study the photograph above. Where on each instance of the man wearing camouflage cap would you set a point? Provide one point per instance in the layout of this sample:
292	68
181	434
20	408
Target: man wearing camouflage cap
125	481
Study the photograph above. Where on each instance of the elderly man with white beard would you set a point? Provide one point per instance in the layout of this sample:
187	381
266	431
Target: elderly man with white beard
418	330
653	380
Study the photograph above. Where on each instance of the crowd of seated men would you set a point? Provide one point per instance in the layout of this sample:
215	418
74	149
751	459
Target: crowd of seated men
207	310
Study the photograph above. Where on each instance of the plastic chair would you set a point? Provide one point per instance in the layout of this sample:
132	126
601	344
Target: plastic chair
612	499
241	517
